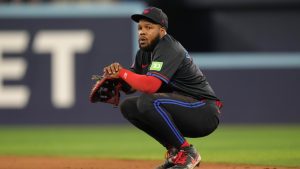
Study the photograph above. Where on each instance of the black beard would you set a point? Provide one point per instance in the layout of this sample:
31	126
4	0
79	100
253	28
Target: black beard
152	44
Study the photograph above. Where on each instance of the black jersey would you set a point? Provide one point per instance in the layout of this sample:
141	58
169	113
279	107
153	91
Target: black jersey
171	63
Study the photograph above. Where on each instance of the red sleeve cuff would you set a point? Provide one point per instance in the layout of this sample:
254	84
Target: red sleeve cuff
143	83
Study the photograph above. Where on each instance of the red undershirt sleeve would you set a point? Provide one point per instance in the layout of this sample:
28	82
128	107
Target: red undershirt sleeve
143	83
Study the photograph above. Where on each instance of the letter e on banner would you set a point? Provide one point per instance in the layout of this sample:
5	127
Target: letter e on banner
13	96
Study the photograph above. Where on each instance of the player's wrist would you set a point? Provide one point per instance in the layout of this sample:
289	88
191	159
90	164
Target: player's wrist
122	72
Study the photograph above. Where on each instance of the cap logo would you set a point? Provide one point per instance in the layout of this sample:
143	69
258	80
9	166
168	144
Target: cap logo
146	11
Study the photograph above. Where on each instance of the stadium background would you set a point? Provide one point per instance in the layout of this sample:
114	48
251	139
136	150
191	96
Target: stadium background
249	50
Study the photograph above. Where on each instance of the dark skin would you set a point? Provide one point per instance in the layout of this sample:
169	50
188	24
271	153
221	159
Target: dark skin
148	32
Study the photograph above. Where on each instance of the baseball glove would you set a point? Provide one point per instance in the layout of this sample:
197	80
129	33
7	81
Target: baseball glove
106	90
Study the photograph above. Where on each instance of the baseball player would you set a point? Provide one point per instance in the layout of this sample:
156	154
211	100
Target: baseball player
176	100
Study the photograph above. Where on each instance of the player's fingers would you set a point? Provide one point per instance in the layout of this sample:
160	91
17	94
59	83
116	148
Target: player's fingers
116	66
105	70
112	69
108	70
119	66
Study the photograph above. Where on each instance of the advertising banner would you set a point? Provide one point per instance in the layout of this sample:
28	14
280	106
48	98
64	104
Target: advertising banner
48	55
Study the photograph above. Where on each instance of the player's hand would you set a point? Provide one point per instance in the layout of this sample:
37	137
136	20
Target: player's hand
112	70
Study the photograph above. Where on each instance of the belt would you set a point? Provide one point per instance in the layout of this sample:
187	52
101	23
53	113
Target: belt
218	103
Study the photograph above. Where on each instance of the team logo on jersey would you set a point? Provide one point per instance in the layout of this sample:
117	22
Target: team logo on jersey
156	66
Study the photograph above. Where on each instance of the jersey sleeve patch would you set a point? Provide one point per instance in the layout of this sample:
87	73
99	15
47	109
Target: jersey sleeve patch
156	66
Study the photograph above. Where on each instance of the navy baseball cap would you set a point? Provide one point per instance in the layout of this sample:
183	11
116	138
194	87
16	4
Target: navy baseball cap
153	14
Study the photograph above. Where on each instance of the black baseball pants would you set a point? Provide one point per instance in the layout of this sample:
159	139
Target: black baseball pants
169	117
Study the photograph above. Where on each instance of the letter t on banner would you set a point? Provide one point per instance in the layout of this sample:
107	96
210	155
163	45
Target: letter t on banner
63	45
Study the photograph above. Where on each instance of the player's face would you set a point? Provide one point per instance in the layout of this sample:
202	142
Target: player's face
149	34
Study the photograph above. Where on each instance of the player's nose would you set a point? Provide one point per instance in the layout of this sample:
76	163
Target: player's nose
141	32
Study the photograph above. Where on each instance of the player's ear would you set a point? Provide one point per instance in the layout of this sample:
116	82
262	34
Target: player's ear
163	31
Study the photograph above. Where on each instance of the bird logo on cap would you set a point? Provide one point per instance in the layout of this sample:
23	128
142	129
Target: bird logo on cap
146	11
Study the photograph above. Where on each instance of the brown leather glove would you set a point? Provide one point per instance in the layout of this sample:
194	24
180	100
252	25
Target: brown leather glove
106	90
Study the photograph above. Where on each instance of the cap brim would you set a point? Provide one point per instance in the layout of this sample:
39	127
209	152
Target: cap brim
138	17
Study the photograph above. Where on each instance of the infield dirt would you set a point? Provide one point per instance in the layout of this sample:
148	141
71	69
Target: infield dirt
7	162
95	163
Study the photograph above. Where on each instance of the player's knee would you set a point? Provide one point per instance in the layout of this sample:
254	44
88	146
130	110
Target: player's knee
126	108
145	103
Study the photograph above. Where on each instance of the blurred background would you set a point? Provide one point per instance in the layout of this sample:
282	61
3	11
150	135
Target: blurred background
249	50
49	49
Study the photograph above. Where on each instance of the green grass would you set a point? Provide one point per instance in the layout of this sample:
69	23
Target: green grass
263	145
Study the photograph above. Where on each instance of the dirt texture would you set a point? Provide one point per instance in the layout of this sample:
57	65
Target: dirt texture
95	163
